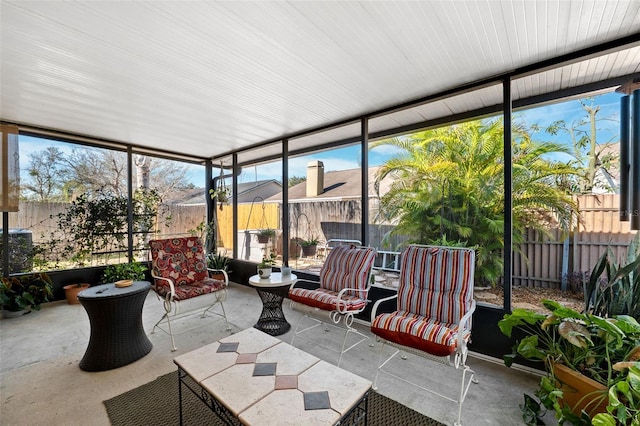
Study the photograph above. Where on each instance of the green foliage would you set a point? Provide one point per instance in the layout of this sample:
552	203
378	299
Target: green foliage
268	261
531	411
448	185
311	241
124	271
207	233
591	345
26	292
267	232
624	402
98	226
294	180
615	289
218	261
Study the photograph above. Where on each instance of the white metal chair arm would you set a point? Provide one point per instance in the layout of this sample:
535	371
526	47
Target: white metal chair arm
343	291
462	325
172	288
374	310
226	276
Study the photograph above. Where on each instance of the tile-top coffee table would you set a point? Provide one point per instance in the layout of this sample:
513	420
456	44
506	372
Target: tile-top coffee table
252	378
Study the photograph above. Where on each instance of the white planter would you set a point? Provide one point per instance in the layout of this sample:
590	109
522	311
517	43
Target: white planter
264	272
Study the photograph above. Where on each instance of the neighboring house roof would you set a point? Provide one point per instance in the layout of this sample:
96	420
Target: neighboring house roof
246	192
341	184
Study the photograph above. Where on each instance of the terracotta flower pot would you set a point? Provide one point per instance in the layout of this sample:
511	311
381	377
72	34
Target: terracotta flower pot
217	276
581	392
71	292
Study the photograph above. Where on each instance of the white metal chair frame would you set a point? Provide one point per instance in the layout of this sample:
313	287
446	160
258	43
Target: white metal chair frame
339	314
180	274
457	359
172	306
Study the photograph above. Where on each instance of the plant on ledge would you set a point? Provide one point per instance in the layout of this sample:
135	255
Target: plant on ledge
606	350
267	261
219	262
124	271
25	293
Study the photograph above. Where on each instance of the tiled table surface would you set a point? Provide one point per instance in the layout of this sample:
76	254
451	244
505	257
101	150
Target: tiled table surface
262	380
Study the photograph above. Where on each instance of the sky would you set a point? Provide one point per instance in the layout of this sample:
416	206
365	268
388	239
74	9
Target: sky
349	157
569	111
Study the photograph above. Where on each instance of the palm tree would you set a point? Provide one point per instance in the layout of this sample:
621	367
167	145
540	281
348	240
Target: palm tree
448	188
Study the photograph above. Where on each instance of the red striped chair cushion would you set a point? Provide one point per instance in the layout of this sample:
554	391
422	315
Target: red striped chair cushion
436	282
326	299
418	332
347	267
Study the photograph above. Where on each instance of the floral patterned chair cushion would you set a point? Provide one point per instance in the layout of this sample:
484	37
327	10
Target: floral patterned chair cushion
182	261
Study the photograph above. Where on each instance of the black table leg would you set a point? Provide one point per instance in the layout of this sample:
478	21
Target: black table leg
272	320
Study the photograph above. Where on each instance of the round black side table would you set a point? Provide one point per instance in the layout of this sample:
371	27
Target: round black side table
117	336
272	292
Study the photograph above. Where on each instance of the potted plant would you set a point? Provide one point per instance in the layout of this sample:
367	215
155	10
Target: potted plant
614	289
309	246
587	346
265	234
265	267
71	292
19	295
124	271
218	262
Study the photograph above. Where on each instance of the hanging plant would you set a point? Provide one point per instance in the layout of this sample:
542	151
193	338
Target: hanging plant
221	193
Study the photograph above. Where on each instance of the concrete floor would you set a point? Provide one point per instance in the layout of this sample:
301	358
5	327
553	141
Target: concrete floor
41	383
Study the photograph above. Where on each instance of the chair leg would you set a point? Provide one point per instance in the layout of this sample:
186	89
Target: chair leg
224	314
464	388
382	364
465	382
350	329
296	332
167	316
219	299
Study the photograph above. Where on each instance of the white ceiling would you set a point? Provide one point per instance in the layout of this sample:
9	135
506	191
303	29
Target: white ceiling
204	78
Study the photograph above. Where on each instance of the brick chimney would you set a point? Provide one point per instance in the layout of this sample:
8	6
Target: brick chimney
315	178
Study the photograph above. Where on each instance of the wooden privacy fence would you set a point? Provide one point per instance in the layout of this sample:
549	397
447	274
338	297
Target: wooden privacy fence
541	262
544	261
250	217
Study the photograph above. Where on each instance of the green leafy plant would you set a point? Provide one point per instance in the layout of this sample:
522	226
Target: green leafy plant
267	261
624	401
311	241
97	224
591	345
449	182
267	232
614	289
219	261
26	292
124	271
